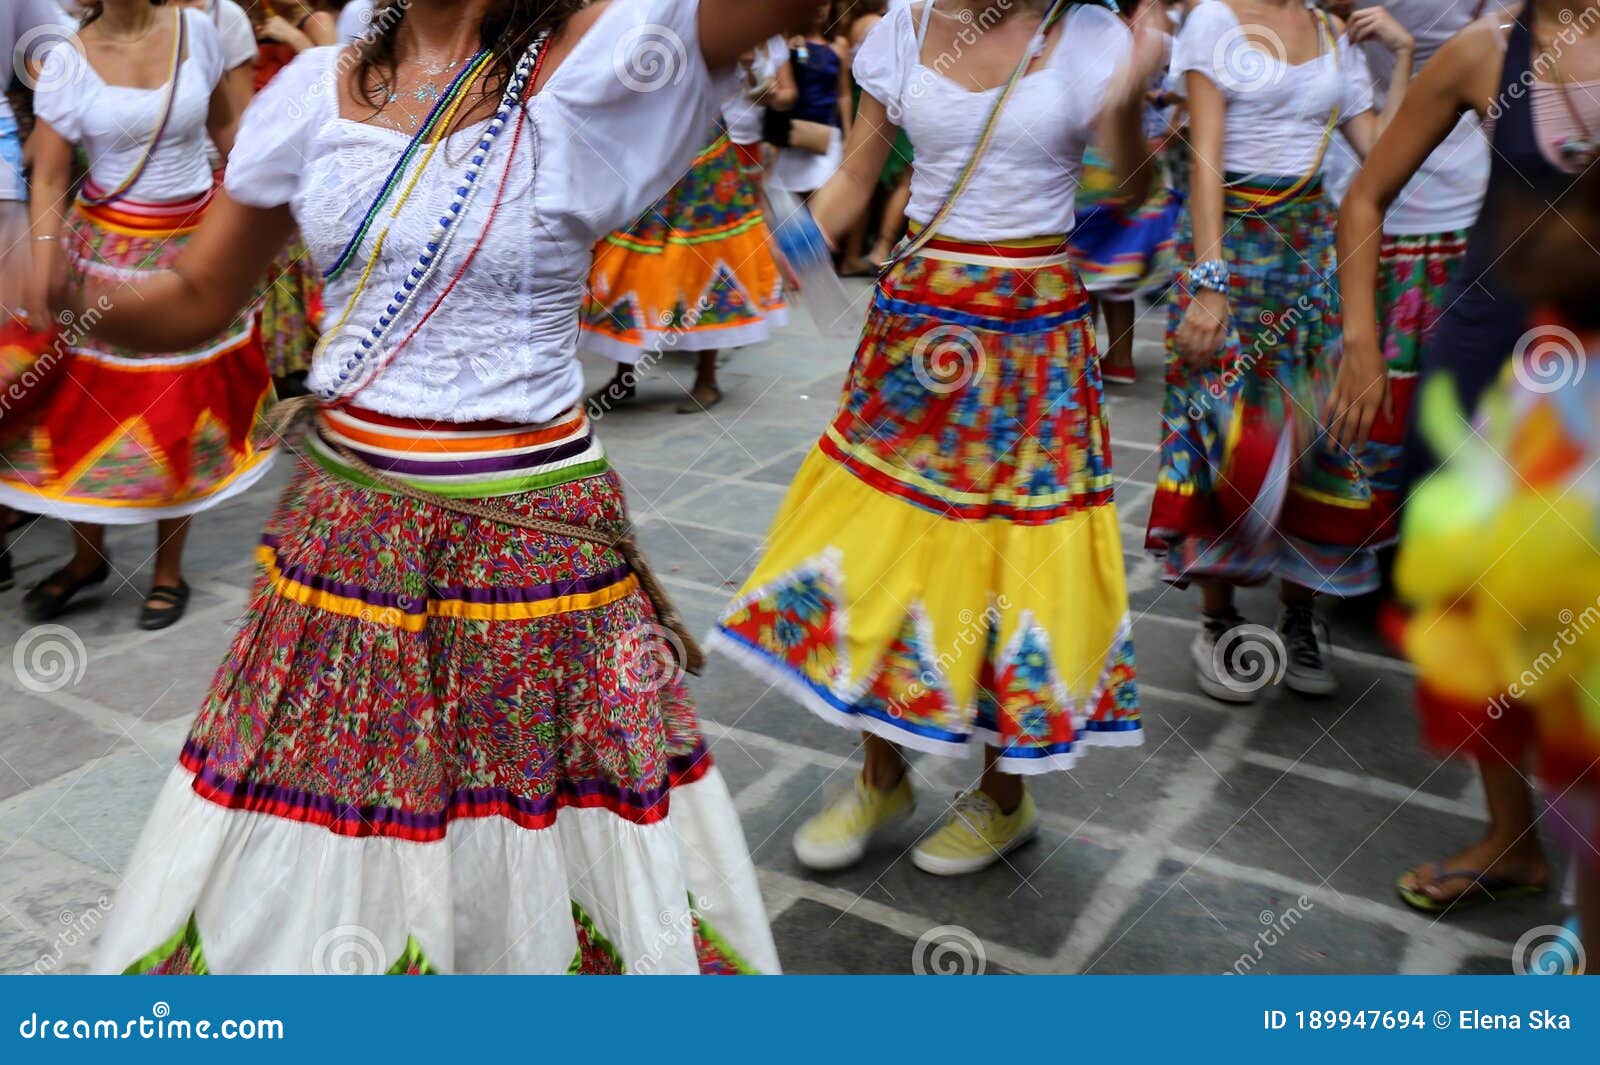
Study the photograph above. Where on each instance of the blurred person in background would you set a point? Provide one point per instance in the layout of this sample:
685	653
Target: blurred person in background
820	60
914	582
130	437
1531	75
1252	335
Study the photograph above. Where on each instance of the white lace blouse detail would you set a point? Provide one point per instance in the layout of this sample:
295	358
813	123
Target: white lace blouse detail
599	144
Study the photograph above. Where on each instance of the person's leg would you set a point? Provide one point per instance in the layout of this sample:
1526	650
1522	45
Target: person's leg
704	394
1004	788
883	766
169	595
1117	366
1510	852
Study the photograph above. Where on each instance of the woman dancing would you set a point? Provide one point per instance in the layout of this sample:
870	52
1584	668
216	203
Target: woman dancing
1252	337
913	583
441	741
130	436
1534	80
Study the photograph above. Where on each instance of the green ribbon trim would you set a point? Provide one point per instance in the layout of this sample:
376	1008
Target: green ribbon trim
581	918
187	936
473	489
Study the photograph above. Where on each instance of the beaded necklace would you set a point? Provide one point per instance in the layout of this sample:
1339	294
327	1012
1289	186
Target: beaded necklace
439	239
433	126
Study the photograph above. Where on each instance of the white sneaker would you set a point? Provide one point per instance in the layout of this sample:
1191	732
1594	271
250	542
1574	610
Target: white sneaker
1214	670
1305	637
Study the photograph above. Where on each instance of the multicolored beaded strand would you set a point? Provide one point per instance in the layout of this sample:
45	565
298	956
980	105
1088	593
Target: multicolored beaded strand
444	230
429	125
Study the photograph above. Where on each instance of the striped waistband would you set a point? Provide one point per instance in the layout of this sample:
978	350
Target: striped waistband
1253	193
465	460
1024	254
145	219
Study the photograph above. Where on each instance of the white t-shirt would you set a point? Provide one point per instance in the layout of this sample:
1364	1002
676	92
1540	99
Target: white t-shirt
354	20
598	148
1027	182
114	123
1447	190
742	114
1277	112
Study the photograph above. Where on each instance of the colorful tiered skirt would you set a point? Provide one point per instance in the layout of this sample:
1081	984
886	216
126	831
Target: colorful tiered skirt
129	437
441	743
1121	254
694	273
947	565
1315	519
1415	274
291	312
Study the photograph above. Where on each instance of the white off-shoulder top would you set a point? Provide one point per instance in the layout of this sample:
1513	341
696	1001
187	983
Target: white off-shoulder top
612	129
1027	182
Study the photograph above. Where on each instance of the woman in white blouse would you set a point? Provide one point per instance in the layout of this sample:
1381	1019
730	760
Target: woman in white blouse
131	437
444	739
1249	488
946	571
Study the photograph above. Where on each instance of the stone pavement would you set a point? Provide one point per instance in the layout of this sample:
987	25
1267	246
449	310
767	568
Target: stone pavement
1263	839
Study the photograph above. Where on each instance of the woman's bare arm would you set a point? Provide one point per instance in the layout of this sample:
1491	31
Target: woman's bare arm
50	193
1450	84
211	282
222	119
839	204
847	109
1205	324
730	28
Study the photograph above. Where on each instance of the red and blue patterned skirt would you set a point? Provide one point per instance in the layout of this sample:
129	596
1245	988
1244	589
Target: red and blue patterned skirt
444	744
1317	512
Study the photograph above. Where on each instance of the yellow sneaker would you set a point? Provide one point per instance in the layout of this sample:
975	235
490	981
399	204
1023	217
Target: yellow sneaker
977	835
838	836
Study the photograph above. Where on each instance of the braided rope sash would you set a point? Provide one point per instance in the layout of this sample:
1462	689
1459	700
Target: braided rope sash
283	418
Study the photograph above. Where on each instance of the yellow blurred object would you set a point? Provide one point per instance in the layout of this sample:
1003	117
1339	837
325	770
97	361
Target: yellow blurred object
1448	650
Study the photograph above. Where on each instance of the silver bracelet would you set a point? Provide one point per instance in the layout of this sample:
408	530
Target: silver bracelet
47	236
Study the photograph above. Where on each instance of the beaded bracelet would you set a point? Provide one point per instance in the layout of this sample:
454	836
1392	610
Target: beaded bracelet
1212	274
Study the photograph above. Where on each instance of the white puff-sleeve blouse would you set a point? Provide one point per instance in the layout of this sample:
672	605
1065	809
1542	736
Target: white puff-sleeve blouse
1277	112
611	130
114	123
1027	182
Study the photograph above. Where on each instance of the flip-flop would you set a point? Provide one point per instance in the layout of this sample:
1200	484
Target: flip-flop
1480	889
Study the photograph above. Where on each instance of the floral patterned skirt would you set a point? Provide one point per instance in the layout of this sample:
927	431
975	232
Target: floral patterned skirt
291	311
947	566
130	437
440	743
1121	254
694	273
1271	378
1415	274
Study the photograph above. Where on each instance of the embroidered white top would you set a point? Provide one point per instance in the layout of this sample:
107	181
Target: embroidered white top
610	131
1027	182
1277	111
114	123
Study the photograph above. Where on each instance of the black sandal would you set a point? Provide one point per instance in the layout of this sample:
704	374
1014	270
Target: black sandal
176	596
49	598
8	580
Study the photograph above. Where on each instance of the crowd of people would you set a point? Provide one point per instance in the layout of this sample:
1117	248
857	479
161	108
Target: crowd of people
379	236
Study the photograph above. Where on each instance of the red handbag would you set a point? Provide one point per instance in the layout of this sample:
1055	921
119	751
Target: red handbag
32	364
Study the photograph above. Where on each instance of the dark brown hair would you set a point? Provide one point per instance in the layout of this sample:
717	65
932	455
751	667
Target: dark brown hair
507	29
1552	251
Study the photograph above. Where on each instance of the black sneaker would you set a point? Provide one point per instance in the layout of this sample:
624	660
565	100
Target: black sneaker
1305	638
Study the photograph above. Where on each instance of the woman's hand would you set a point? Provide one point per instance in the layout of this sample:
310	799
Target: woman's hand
1376	24
1204	329
1360	392
49	290
277	28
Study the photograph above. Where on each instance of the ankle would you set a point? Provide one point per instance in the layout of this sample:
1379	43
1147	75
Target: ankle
1005	789
883	776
